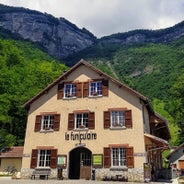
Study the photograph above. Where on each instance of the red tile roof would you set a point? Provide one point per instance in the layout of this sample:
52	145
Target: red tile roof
12	152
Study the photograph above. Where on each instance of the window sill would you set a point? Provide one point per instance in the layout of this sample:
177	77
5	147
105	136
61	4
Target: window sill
118	128
42	167
69	98
95	96
121	168
81	129
46	131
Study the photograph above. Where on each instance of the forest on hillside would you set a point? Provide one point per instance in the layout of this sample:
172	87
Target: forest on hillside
24	71
155	70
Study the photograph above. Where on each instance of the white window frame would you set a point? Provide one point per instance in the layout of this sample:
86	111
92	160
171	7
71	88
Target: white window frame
44	157
47	122
118	157
81	120
70	90
95	88
117	119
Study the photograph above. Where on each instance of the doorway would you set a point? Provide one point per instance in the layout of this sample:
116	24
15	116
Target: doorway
80	163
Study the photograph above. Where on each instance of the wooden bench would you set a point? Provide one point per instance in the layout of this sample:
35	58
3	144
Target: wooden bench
41	172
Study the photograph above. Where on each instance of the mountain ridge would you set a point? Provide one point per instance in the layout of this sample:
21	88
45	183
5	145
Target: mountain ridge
60	38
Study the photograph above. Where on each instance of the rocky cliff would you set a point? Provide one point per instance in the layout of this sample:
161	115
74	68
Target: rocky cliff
145	36
58	37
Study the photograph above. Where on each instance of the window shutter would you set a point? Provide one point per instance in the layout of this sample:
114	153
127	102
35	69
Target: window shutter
105	87
34	157
85	89
71	121
79	90
60	91
107	122
53	158
91	120
38	122
130	157
128	119
56	122
107	157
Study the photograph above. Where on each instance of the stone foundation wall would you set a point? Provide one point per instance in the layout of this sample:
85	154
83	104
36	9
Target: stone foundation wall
136	175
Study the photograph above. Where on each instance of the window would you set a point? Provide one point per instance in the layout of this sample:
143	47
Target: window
118	156
70	90
44	158
47	122
96	88
81	120
117	118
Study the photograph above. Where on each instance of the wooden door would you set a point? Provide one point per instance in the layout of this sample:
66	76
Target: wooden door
85	167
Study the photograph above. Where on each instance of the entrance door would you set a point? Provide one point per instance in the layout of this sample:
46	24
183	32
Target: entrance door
80	163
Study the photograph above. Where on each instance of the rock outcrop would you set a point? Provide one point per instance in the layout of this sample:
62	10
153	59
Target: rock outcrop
57	36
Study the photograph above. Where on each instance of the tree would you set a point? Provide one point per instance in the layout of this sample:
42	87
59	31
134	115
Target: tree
177	106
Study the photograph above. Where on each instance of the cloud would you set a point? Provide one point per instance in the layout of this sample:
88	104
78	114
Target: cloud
105	17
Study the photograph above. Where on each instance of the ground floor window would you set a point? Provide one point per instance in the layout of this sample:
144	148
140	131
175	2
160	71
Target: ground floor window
44	158
118	156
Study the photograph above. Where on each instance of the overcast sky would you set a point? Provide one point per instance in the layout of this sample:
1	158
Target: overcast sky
106	17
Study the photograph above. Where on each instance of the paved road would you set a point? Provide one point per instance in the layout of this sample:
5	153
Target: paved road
4	180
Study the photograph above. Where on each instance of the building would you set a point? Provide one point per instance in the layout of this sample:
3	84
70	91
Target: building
88	120
176	160
11	159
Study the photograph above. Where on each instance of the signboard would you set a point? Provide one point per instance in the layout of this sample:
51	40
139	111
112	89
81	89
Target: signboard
61	160
98	160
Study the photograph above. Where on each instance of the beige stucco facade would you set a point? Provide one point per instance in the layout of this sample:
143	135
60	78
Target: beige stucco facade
119	97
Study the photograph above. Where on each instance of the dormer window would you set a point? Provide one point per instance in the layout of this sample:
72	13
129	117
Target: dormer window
95	88
69	90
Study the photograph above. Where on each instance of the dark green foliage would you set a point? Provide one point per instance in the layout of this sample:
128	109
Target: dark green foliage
24	71
177	106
